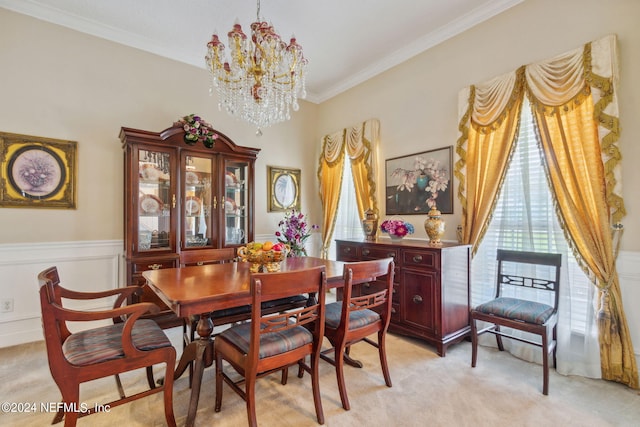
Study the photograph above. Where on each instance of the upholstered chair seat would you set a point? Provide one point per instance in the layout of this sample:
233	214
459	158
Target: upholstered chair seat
105	343
517	309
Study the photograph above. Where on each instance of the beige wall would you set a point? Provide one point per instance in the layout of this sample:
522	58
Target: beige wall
63	84
416	101
58	83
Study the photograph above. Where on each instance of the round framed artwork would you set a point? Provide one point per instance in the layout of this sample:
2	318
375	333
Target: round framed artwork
36	172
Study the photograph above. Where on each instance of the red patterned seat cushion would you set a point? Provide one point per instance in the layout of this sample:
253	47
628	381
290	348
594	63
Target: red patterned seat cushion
105	343
517	309
271	343
357	319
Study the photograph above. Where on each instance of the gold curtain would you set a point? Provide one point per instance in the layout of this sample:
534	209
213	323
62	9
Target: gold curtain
330	179
359	143
574	103
570	140
495	111
362	155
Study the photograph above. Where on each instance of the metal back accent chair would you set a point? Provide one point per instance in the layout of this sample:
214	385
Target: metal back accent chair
355	318
522	313
130	343
273	342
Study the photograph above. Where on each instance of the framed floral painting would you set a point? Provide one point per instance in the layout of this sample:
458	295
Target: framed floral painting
416	182
37	172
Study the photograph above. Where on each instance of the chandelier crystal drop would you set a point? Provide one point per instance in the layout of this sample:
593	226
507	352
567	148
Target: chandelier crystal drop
264	77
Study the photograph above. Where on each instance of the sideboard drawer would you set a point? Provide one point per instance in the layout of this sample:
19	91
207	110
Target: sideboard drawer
348	252
373	287
424	259
372	252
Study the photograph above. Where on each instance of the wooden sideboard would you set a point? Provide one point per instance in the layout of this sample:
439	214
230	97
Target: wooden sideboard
431	286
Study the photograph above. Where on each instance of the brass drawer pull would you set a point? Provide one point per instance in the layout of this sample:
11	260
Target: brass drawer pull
417	299
154	266
393	310
391	254
417	258
347	249
366	252
366	285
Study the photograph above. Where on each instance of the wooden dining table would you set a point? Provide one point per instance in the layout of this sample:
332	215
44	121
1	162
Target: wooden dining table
200	290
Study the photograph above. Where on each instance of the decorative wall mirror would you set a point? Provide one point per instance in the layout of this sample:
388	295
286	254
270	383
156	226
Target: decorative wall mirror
283	188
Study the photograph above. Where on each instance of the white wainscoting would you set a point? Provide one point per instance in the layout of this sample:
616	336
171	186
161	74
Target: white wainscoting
84	265
98	265
629	274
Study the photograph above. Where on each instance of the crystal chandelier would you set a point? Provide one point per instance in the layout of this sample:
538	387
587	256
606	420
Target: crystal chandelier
264	77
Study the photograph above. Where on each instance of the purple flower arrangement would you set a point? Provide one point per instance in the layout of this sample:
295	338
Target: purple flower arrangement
294	231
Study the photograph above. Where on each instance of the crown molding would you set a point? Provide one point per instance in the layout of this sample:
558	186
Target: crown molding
453	28
78	23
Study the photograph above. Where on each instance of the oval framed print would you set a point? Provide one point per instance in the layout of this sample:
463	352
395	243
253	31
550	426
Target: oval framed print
284	188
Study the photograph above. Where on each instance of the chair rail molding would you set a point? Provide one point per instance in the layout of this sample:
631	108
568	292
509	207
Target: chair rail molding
83	265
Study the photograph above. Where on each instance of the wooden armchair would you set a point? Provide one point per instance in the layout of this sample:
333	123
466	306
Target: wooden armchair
522	312
271	343
355	318
130	343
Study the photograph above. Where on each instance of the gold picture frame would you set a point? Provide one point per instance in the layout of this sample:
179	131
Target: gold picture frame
37	172
283	189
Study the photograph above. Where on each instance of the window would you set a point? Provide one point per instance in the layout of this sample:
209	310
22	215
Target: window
348	225
525	219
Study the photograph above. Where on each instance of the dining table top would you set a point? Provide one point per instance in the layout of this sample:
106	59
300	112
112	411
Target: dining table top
202	289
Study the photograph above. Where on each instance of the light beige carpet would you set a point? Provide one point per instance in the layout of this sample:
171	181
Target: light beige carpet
427	391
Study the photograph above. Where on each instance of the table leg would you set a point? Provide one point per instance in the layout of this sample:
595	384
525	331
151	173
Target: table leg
197	352
349	360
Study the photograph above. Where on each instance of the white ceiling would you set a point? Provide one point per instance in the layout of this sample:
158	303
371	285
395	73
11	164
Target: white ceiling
345	41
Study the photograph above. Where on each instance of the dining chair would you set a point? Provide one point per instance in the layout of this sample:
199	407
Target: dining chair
273	342
234	314
231	315
129	343
522	276
357	317
205	257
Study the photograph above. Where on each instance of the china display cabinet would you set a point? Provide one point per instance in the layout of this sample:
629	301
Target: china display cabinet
182	194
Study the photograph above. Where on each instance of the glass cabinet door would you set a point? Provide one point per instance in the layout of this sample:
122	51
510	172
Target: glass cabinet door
236	199
155	199
199	202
